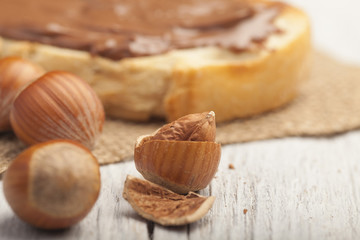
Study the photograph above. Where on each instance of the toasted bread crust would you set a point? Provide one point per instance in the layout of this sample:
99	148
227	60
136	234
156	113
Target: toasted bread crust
241	89
186	81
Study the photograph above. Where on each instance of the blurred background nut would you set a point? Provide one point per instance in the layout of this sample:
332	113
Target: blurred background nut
53	185
58	105
15	73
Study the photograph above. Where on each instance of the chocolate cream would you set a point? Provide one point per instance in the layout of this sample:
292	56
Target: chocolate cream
117	29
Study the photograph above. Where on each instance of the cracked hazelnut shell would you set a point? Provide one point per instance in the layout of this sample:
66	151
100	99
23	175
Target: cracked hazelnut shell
163	206
181	156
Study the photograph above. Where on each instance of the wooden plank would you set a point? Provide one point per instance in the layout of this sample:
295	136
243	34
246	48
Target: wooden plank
292	189
111	217
295	188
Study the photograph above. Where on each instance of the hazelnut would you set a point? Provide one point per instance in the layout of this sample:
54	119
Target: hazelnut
53	185
181	156
15	73
58	105
163	206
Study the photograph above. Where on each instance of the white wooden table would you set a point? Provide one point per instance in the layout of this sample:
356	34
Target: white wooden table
292	188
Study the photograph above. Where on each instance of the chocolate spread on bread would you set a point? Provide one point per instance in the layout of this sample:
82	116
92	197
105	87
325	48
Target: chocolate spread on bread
117	29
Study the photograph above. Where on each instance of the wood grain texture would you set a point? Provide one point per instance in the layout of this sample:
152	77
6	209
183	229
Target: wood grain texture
294	188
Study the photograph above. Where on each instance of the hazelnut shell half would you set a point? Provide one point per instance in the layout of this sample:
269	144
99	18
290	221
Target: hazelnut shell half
163	206
180	166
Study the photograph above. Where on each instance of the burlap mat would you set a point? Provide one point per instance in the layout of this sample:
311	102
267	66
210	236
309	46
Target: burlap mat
329	103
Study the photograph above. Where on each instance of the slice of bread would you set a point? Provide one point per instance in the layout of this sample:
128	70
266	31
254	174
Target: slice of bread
180	82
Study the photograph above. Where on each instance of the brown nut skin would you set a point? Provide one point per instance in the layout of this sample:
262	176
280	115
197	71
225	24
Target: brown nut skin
53	185
180	165
15	73
58	105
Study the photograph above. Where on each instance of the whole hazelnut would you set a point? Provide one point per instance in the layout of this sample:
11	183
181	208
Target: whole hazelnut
181	156
53	185
15	73
58	105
